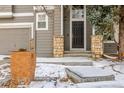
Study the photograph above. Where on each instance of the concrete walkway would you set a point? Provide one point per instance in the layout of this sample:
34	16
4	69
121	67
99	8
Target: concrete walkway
89	74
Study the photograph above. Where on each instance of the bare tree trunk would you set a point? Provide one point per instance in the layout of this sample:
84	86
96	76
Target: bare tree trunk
121	33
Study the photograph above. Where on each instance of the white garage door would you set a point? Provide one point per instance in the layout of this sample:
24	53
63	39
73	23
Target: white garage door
12	39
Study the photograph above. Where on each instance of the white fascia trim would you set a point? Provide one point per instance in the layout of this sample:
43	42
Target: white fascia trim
10	14
5	14
18	25
22	14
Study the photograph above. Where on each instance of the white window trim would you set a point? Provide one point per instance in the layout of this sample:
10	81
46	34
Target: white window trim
10	14
37	21
6	14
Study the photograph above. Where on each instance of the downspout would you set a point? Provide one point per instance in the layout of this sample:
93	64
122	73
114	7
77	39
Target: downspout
85	28
93	30
61	20
34	28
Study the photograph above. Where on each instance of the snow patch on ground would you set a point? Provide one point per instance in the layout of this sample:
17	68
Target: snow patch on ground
4	71
102	84
58	72
3	56
43	84
50	70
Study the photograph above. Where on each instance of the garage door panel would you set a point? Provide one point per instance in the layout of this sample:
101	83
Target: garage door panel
13	39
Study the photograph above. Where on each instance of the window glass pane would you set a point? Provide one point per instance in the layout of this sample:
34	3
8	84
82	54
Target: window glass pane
41	24
42	17
77	11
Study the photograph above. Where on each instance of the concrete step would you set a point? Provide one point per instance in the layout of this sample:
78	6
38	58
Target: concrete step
89	74
77	52
69	61
77	55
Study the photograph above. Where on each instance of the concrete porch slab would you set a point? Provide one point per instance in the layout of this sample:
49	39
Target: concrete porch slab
69	61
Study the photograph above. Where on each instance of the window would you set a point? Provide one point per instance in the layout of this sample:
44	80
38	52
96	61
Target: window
77	11
41	21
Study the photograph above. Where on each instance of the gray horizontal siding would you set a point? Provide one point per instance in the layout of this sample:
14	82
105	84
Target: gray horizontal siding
23	8
17	19
17	9
57	20
5	8
44	38
110	48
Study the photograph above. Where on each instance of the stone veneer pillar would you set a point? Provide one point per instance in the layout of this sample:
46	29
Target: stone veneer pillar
97	46
58	46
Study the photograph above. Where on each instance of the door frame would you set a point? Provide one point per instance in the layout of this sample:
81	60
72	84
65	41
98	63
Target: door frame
83	19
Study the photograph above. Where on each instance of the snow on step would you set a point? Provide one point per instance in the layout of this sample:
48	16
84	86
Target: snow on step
89	74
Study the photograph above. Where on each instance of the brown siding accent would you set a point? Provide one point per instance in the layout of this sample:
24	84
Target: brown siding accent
66	29
44	38
88	36
110	48
57	20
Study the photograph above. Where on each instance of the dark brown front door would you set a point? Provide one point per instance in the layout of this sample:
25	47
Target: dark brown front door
77	34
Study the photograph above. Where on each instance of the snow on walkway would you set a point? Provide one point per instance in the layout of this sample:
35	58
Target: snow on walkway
4	71
50	70
3	56
55	70
58	72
